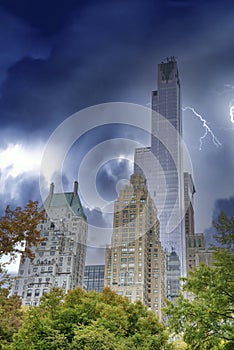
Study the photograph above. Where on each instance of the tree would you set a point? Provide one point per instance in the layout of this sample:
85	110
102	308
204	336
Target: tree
204	310
19	230
88	321
18	234
94	337
10	315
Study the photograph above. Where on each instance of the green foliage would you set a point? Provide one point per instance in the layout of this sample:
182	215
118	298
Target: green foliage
38	333
204	311
10	316
94	337
89	321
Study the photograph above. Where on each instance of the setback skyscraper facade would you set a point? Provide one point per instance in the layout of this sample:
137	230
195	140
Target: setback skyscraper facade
135	261
60	259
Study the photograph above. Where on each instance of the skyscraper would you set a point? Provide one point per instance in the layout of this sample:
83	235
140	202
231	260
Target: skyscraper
165	176
60	259
135	261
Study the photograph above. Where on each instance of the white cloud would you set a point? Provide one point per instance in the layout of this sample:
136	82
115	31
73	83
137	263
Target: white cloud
18	159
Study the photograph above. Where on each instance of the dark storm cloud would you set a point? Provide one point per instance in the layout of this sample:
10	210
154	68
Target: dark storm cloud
109	175
87	66
225	205
96	217
94	60
17	40
18	191
45	15
33	94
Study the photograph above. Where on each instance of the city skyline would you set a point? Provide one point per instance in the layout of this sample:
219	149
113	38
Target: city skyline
54	66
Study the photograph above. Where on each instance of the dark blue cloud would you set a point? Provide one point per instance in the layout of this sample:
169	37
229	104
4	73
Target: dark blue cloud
87	64
48	16
19	190
109	175
225	205
93	59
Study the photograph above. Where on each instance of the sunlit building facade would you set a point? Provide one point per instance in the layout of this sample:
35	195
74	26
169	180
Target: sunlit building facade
135	261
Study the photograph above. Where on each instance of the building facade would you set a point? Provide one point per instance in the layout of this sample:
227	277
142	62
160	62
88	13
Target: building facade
189	192
94	278
135	261
60	259
196	251
173	274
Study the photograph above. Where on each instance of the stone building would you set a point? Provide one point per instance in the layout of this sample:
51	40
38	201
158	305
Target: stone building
60	259
135	261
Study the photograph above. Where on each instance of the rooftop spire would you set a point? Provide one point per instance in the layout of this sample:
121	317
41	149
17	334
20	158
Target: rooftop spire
75	187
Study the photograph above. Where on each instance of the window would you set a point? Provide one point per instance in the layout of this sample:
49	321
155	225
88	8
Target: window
52	225
37	292
29	292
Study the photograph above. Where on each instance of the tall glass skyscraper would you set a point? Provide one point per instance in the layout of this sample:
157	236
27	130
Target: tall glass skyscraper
163	161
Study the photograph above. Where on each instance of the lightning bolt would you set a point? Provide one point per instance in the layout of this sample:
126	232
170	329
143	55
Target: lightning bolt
232	113
216	142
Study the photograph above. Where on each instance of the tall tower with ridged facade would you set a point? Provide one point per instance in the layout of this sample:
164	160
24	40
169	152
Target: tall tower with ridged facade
135	261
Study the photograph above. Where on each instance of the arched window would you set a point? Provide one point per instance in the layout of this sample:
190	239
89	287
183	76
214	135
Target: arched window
37	292
29	292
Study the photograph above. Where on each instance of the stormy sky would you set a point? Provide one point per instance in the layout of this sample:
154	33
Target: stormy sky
58	58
